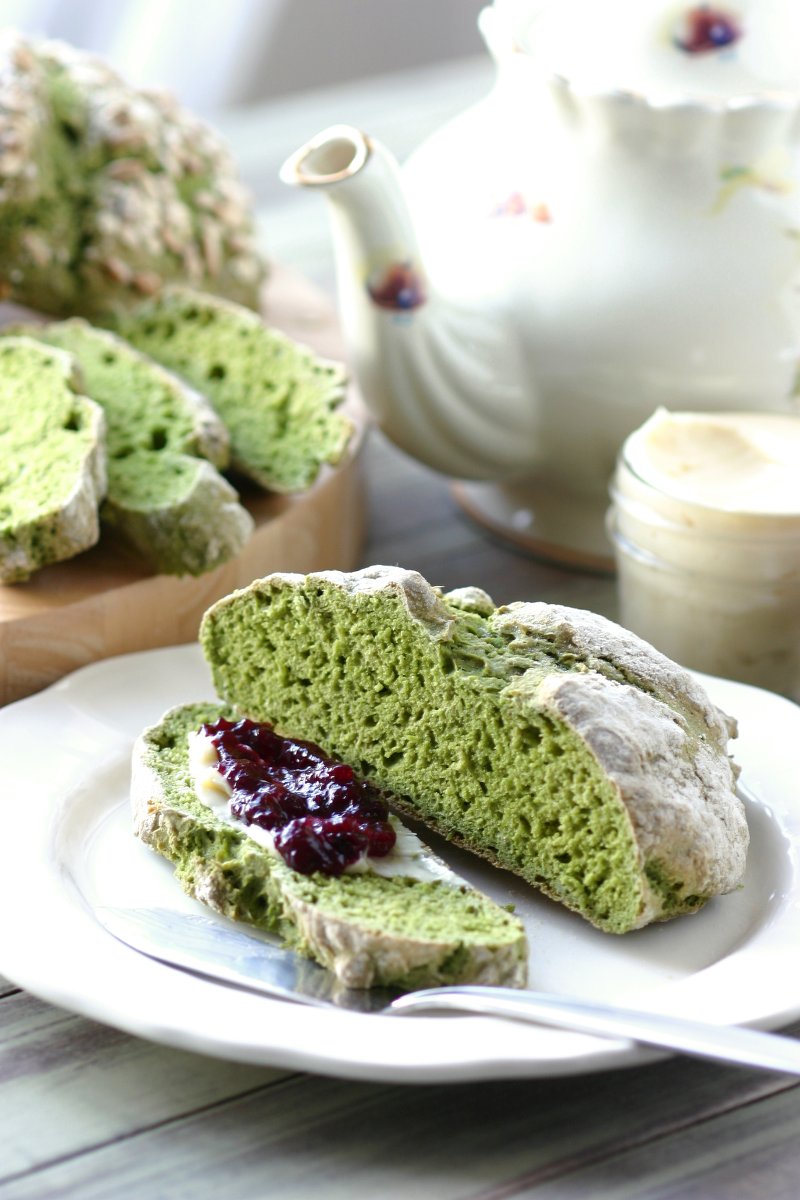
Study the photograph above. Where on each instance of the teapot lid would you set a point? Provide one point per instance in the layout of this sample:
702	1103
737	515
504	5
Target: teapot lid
713	51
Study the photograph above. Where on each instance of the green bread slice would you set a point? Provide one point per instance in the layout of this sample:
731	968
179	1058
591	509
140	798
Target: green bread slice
177	511
547	739
146	406
371	930
52	459
277	398
163	496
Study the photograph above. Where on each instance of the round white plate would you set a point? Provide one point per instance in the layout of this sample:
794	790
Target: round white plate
68	847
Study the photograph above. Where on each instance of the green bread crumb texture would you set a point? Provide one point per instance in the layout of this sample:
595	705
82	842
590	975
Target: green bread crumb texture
172	506
256	883
446	719
277	398
44	457
146	409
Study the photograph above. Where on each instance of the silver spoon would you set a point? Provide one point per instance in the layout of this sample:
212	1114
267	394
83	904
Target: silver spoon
219	950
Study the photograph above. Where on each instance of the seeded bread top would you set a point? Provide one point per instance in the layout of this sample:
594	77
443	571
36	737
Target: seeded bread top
107	191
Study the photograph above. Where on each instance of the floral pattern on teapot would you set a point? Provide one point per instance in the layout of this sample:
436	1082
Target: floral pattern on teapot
771	174
706	29
399	287
516	205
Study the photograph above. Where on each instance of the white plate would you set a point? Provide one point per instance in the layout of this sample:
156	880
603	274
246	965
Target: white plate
68	846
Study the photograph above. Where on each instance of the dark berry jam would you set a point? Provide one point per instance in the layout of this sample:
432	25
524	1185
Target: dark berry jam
322	817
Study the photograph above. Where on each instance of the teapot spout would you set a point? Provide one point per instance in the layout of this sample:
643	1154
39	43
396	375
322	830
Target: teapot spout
443	381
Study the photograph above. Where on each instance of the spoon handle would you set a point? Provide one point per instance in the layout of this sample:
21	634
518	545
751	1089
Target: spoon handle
726	1043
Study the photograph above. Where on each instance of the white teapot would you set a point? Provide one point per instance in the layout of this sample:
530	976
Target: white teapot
615	228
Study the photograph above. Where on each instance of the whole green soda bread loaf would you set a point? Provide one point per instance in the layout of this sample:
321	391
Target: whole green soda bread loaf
107	191
173	506
370	929
548	739
277	398
52	459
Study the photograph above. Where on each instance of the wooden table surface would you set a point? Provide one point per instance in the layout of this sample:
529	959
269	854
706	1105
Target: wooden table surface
88	1111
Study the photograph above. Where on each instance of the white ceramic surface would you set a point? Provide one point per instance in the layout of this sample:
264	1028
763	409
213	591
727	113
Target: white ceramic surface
65	755
615	227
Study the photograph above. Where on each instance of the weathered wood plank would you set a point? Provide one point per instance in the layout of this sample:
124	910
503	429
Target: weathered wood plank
69	1084
748	1153
345	1141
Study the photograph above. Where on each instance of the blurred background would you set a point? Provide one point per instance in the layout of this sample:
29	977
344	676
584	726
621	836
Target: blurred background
220	53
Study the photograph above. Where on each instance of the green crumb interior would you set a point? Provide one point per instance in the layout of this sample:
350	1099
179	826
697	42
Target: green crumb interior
252	884
445	720
277	399
145	409
42	456
148	478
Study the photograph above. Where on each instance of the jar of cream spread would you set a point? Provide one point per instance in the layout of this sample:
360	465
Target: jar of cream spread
705	521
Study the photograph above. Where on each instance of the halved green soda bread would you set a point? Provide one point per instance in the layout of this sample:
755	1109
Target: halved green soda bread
278	399
370	929
548	739
52	462
164	442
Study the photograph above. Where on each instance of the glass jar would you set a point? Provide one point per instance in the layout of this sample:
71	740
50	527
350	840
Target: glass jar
716	589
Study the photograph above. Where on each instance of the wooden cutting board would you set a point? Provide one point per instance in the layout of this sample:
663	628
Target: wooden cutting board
106	601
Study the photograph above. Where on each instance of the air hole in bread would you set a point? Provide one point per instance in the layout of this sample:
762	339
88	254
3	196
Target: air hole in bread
70	132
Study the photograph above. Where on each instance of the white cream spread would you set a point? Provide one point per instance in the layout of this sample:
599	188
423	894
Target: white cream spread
706	525
737	462
409	856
